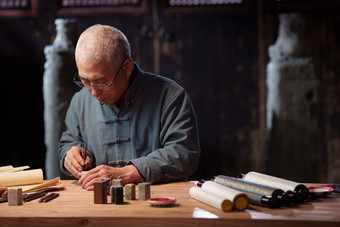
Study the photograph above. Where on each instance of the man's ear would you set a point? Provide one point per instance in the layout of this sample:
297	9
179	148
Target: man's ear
128	66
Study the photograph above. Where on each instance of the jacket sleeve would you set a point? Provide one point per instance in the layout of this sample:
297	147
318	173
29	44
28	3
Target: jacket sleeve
72	135
178	157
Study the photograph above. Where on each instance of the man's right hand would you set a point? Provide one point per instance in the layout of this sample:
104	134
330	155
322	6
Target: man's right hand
74	162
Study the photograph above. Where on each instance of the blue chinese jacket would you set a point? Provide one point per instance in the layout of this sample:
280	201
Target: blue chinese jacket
154	129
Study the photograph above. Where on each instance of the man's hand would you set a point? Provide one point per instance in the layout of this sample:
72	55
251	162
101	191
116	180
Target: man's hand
129	174
3	191
74	162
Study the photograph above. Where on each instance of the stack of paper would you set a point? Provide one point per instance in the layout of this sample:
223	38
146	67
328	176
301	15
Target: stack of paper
28	180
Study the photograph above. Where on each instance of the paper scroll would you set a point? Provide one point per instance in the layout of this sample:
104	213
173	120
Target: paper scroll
239	199
271	181
286	185
210	199
34	176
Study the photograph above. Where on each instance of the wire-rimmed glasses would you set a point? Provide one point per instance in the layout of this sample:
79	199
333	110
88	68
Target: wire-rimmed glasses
98	86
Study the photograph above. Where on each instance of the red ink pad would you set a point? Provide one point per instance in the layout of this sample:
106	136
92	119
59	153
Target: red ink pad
320	191
161	201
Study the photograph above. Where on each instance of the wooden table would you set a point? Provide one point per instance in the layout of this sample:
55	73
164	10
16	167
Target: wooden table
75	207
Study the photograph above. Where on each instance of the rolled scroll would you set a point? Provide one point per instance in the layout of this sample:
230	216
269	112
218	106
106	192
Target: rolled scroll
239	199
259	199
26	177
240	184
300	190
211	199
262	200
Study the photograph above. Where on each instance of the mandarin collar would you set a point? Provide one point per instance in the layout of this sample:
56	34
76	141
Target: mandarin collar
135	81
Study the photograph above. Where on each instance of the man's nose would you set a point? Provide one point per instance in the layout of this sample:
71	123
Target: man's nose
95	92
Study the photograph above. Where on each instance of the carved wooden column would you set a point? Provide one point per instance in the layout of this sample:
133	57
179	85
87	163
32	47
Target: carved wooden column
291	103
58	90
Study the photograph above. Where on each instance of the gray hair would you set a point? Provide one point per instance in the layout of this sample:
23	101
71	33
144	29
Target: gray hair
101	43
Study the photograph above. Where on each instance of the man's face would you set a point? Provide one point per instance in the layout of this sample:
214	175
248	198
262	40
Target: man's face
91	74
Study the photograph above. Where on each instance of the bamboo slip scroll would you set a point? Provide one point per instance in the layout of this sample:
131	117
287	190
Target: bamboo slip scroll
257	196
243	185
27	177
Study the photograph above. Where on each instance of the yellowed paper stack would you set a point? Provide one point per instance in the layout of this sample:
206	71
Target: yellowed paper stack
28	180
34	176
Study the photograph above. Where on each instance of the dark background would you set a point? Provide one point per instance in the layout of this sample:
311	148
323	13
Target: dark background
218	53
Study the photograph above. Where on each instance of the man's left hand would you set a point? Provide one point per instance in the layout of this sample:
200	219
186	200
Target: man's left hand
129	174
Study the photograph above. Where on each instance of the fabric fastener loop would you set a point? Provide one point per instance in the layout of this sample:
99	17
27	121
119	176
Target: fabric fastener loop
117	120
117	140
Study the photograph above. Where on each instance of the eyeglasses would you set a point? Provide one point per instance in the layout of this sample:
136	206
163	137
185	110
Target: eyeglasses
98	86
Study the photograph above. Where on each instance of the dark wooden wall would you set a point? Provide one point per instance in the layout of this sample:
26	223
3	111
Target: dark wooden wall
219	54
22	59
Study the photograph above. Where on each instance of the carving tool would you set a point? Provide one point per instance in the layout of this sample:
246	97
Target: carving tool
48	197
83	154
30	197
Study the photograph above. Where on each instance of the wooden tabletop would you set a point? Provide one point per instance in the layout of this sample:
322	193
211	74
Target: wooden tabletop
75	206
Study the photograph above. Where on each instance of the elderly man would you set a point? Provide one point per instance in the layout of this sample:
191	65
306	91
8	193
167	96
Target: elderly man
136	126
